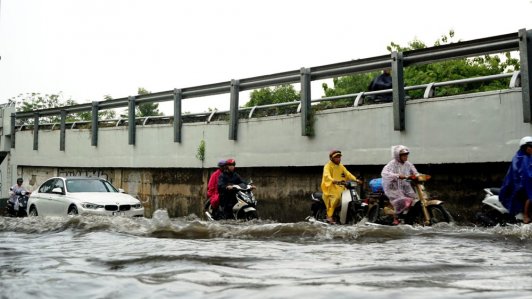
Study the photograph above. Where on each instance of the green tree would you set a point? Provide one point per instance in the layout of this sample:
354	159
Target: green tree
147	109
434	72
37	101
279	94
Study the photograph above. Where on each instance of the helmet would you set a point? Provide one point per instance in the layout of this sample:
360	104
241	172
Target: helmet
230	162
526	141
334	153
20	180
221	163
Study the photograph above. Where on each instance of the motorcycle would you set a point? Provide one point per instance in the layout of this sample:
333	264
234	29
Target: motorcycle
350	211
244	209
493	212
16	206
424	210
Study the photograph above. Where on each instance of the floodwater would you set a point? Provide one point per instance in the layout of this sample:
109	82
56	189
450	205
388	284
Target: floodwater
99	257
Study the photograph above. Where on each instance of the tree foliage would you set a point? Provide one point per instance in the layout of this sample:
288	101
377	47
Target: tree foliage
147	109
279	94
37	101
435	72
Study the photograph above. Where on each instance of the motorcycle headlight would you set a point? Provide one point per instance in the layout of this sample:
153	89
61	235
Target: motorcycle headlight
91	206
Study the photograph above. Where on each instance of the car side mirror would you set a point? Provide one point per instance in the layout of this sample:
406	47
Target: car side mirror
57	190
121	190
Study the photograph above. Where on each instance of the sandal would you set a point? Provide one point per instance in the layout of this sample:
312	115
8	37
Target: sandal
330	220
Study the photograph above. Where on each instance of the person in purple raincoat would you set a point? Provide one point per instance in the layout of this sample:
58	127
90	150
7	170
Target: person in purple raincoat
395	187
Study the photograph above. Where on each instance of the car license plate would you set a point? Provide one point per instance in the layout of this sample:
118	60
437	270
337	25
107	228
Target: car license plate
118	213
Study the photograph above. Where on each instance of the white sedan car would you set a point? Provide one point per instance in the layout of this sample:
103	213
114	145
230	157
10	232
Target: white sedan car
61	196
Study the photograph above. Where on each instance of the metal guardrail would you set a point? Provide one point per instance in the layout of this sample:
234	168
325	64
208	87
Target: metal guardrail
428	88
521	41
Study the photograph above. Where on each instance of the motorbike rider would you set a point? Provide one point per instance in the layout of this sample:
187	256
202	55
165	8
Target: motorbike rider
225	188
399	191
516	190
332	183
212	188
15	191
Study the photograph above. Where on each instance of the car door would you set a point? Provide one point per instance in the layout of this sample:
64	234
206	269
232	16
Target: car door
58	203
43	198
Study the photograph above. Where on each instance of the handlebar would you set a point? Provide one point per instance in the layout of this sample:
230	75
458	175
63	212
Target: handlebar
417	178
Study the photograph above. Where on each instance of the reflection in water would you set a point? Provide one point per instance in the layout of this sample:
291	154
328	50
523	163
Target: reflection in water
99	257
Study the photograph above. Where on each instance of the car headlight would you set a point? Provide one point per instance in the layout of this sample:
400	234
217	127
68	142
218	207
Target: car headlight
137	206
92	206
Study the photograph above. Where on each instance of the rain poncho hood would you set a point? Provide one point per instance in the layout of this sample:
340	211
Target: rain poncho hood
517	185
398	191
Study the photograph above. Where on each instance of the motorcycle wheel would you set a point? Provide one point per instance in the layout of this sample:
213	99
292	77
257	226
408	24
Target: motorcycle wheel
373	213
252	215
320	215
355	214
439	214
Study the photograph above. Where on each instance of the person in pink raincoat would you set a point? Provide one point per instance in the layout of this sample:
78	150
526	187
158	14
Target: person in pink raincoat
212	186
395	187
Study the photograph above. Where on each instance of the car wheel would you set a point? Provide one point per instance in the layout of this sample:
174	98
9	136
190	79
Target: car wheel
72	211
33	212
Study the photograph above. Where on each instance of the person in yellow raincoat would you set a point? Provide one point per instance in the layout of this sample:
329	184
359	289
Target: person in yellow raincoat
334	174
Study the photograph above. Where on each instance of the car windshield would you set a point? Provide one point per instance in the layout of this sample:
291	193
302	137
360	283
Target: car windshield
89	185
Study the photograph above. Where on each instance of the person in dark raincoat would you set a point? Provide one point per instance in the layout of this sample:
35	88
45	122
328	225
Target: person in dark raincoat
381	82
516	190
225	188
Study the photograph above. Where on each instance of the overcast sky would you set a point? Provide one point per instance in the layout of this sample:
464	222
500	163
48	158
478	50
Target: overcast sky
87	49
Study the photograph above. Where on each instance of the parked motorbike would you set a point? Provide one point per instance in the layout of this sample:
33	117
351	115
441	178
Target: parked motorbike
493	212
424	210
244	209
350	211
16	205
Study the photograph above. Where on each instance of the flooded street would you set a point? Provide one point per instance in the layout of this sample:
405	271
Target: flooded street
99	257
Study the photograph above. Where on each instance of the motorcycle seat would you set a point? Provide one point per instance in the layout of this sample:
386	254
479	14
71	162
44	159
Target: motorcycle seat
495	191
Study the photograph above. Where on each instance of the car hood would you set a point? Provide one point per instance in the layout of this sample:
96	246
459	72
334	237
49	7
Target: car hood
104	198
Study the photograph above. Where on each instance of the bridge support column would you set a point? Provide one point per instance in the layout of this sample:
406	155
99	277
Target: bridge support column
178	121
525	53
94	127
62	131
131	126
398	91
306	125
36	132
233	126
13	129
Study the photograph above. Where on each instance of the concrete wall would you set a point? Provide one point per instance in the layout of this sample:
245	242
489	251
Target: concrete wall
481	127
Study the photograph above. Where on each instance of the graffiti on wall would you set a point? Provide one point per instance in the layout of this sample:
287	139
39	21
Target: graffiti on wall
84	173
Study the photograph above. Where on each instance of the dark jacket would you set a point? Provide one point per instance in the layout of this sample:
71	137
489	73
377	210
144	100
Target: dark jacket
226	179
382	82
